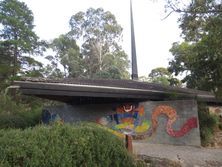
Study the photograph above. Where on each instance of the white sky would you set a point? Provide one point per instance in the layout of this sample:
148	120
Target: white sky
154	37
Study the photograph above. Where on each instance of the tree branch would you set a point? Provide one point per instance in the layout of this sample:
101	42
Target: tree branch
198	12
167	15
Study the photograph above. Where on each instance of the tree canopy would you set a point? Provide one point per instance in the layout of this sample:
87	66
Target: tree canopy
68	54
90	49
199	56
100	54
161	75
17	38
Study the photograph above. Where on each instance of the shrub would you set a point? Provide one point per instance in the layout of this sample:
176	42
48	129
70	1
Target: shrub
20	120
208	123
10	106
62	145
18	113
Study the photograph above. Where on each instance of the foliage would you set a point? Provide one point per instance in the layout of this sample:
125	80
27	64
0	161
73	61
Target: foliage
200	55
208	123
17	38
19	113
20	120
52	70
98	32
62	145
5	61
68	54
8	105
100	55
195	7
161	75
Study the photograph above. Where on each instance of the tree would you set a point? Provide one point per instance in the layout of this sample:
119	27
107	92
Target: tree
5	68
100	54
200	55
161	75
197	7
68	54
17	36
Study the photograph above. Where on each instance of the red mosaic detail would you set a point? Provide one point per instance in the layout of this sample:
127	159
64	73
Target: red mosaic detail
172	116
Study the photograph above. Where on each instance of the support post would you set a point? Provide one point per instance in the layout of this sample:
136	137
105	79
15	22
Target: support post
129	143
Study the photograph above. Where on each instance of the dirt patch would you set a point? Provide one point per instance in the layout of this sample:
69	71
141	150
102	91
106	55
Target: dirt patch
147	161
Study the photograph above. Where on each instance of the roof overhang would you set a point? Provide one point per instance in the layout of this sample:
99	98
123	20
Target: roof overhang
102	91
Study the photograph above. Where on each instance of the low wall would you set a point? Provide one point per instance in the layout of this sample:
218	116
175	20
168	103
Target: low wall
166	122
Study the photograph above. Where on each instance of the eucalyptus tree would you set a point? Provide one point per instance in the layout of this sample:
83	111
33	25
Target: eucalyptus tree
68	54
99	35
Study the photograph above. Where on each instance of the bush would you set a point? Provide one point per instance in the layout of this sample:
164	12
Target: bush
208	123
62	145
20	120
18	113
9	106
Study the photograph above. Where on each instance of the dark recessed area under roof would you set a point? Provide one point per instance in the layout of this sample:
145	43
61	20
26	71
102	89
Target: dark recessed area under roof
106	91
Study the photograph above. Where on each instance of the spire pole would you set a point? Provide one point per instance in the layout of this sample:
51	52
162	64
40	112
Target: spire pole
133	46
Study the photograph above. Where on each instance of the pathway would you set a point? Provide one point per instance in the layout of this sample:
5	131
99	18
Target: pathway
189	156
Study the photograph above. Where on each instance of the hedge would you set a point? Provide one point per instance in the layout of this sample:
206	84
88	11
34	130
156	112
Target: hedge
62	145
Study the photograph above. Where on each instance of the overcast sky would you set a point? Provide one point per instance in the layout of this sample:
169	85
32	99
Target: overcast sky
154	36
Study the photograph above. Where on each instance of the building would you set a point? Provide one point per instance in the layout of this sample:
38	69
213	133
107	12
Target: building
149	112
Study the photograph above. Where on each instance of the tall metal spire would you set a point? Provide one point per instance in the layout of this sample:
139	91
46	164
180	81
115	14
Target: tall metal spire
133	47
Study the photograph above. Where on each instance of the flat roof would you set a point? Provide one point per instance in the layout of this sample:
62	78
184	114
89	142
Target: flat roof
101	91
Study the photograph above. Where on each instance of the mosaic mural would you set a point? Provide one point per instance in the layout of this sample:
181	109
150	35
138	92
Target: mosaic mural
49	117
172	117
128	119
131	119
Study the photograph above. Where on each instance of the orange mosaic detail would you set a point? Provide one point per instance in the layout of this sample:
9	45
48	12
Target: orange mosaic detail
170	112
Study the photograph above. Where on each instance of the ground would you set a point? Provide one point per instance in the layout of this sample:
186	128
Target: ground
185	156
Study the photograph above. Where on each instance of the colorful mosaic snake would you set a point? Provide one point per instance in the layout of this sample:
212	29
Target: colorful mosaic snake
172	116
130	119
